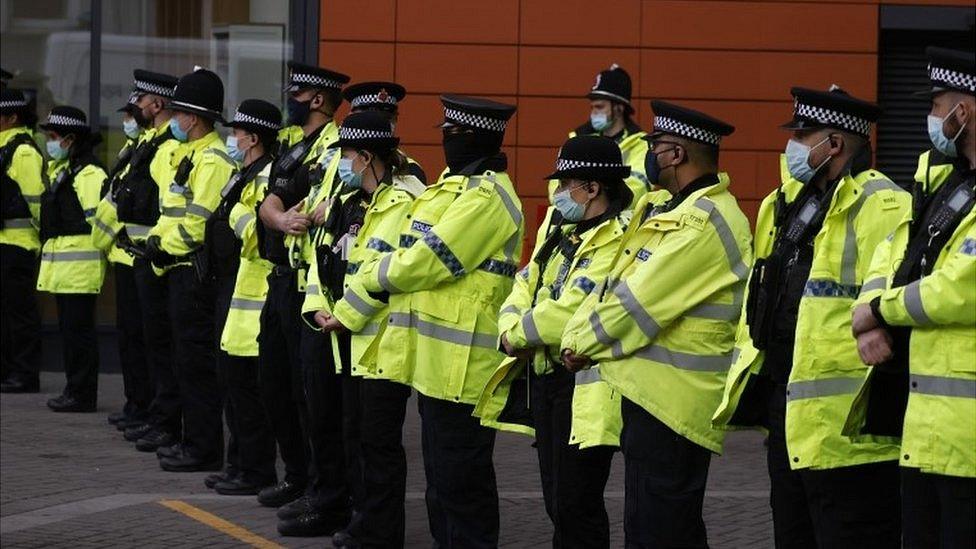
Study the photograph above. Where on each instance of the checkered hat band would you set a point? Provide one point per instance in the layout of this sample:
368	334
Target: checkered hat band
373	98
563	164
670	125
134	97
829	117
354	134
248	119
58	120
12	104
155	89
478	121
953	79
314	81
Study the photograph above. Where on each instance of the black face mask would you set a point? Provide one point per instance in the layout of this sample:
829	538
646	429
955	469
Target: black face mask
461	149
298	111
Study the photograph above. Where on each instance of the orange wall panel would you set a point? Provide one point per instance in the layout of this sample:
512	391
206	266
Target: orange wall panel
492	22
759	26
360	60
438	68
569	72
363	20
580	22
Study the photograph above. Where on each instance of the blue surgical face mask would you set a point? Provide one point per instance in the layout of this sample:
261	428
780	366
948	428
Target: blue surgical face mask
599	120
570	209
232	150
940	141
55	150
179	133
348	176
798	160
131	128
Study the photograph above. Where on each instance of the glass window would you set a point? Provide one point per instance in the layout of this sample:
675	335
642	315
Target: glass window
245	42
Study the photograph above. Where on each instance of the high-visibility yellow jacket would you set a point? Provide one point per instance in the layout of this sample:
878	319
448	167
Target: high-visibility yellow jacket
106	224
447	281
71	264
939	434
186	208
362	314
662	325
538	323
27	170
827	370
240	335
301	248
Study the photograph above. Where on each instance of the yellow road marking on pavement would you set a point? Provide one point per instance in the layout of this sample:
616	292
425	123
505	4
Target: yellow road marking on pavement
219	524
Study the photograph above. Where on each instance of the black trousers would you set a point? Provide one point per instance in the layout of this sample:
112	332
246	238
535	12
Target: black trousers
847	507
76	322
136	385
20	319
255	444
383	408
191	309
462	497
335	474
573	480
225	292
664	483
279	373
937	510
166	407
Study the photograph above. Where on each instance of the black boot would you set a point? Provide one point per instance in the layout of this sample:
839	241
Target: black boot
115	417
17	384
67	403
188	463
153	440
239	486
133	434
284	492
294	509
313	523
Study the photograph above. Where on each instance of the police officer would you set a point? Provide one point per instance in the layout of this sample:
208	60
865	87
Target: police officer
576	418
241	287
380	185
458	251
314	96
135	196
174	247
22	180
915	320
71	267
136	386
797	368
661	327
611	116
385	98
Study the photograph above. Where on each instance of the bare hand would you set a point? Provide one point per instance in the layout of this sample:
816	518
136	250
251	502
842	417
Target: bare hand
509	350
318	215
328	323
863	320
574	362
293	221
874	346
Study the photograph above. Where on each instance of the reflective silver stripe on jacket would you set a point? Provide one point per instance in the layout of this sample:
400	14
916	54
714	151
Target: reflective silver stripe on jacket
913	304
644	321
532	337
137	231
943	386
848	263
246	304
104	228
728	312
242	224
19	223
198	210
383	274
173	211
587	376
686	361
874	284
71	256
616	348
815	388
442	333
358	303
732	251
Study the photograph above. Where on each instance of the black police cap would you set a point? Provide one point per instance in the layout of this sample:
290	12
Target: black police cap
65	119
950	70
688	123
613	84
256	115
834	108
590	158
302	77
155	83
200	92
12	101
366	130
476	112
374	95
